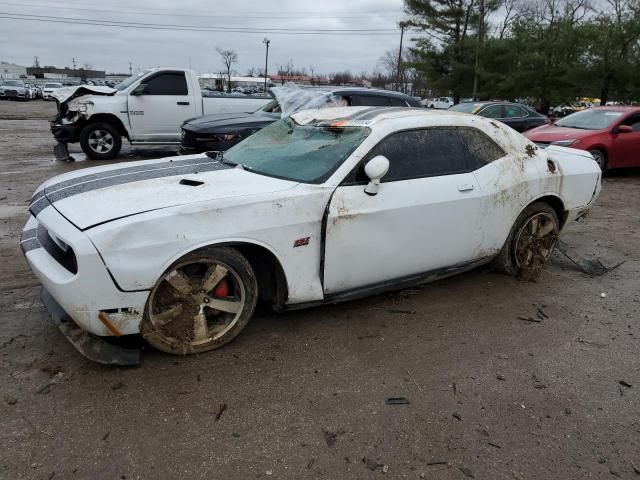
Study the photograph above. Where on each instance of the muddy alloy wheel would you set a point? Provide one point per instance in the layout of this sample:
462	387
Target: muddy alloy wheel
535	241
201	302
530	243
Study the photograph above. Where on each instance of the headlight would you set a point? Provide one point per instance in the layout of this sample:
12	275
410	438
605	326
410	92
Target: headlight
565	143
82	107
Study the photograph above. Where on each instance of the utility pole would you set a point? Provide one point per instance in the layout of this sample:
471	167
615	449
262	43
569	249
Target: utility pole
36	62
130	69
478	44
73	60
403	25
266	41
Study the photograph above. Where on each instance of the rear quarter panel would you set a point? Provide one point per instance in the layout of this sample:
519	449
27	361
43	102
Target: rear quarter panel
577	176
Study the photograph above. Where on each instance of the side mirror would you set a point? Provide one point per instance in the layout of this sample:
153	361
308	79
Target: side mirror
141	89
375	169
624	129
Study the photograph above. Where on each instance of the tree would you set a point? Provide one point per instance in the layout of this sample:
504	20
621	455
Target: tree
229	57
613	51
445	55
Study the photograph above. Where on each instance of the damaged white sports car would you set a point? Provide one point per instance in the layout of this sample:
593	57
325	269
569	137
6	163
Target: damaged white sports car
324	206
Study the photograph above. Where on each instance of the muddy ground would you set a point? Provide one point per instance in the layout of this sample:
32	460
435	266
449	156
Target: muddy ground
302	395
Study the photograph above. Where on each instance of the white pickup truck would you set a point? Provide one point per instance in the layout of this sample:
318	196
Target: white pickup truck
147	109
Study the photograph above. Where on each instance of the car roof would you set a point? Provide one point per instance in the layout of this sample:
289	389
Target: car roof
618	108
387	120
358	90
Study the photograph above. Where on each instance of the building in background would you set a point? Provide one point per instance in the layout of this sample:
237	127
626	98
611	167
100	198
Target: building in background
65	74
11	71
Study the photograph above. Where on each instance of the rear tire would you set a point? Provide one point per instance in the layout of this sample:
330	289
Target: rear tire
530	243
600	157
100	141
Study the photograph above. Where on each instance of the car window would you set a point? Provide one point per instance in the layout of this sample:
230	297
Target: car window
421	153
492	111
633	121
170	83
369	101
397	102
482	149
513	111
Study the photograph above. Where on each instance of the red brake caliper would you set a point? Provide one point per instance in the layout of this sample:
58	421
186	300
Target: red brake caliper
222	289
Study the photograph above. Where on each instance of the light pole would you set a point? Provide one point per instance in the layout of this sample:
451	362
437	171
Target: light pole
266	41
403	25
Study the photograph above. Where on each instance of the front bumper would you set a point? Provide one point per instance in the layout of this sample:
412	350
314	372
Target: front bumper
77	278
93	348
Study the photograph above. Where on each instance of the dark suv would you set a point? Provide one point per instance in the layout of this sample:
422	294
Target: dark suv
222	131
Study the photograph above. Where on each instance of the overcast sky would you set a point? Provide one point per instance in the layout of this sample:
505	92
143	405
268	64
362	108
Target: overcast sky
112	48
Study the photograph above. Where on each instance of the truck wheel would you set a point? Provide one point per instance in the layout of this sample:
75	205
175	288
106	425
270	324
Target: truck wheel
530	243
201	302
100	141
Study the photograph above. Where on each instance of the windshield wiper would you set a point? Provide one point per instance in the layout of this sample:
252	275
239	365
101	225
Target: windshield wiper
219	156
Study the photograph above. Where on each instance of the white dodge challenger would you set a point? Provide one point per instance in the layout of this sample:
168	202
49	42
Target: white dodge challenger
324	206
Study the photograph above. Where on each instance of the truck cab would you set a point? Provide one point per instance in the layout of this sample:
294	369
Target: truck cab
147	109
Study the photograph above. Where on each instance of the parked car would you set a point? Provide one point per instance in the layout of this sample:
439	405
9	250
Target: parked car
323	206
610	134
221	132
147	109
15	90
49	88
441	103
519	117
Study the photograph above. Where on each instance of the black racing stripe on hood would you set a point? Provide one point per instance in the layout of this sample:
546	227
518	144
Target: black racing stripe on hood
125	171
132	177
40	204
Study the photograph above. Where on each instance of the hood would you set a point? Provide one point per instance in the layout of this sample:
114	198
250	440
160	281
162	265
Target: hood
553	133
224	122
98	195
66	93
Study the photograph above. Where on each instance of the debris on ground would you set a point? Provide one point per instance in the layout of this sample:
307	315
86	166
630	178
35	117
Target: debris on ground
457	416
494	445
467	472
437	462
223	407
397	401
501	377
374	465
117	386
332	437
530	319
624	383
11	400
46	388
591	267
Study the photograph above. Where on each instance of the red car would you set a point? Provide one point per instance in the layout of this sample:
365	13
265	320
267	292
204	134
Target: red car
610	134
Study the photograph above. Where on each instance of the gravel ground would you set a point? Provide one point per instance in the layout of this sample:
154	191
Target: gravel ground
302	394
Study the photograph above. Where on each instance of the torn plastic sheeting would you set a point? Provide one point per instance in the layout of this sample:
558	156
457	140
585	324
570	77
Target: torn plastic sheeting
292	99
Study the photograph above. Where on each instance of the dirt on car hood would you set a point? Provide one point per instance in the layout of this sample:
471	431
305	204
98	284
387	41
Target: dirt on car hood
99	195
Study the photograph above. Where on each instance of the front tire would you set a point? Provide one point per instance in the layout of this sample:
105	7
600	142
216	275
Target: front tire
100	141
201	302
530	243
600	157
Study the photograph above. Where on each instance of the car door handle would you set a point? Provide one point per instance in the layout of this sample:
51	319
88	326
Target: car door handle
465	187
182	103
